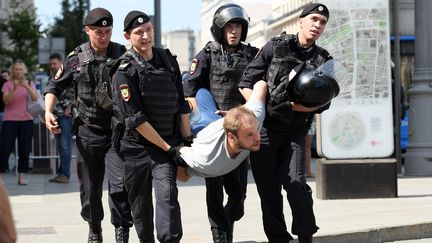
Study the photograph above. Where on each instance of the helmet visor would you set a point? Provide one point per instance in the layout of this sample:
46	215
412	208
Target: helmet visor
334	69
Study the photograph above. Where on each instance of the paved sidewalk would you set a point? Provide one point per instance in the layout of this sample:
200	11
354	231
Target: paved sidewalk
48	212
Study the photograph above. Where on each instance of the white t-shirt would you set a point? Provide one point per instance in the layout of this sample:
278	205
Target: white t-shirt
208	156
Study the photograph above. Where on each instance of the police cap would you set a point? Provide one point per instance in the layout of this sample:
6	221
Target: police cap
99	17
135	18
317	8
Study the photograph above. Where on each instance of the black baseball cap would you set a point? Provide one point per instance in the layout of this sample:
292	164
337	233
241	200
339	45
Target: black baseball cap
99	17
135	18
317	8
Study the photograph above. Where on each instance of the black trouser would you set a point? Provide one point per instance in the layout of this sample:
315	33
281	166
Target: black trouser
235	184
154	169
280	163
118	198
92	146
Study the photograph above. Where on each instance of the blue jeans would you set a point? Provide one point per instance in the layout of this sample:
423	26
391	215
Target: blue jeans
206	111
64	144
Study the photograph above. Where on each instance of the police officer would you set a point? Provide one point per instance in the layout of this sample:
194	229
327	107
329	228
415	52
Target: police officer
148	100
87	67
280	161
218	67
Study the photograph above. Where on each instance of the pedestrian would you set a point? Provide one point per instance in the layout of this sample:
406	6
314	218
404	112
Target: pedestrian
148	100
63	112
87	68
224	143
2	81
17	122
5	74
309	140
280	161
218	67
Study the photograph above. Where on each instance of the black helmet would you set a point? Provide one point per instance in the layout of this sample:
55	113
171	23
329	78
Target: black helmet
316	87
223	15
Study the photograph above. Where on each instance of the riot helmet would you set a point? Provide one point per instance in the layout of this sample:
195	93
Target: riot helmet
226	13
317	86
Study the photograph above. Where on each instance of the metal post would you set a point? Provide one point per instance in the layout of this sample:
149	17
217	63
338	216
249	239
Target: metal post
157	23
397	84
418	158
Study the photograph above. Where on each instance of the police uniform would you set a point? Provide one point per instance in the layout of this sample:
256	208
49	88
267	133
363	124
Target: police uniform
92	127
150	91
224	70
283	137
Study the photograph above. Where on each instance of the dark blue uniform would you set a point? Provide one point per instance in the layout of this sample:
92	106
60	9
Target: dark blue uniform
280	161
220	72
150	91
92	127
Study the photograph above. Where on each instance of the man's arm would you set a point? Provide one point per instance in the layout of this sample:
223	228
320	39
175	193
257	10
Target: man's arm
50	120
7	226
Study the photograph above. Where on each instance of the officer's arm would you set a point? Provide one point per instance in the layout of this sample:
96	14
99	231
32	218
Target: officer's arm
256	70
199	75
7	226
148	132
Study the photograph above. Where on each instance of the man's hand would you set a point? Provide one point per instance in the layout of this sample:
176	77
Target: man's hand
174	153
301	108
182	174
51	123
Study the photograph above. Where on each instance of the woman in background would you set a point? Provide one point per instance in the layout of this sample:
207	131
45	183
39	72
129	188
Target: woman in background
17	122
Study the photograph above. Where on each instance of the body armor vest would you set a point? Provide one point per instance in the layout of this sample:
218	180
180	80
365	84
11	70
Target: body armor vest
286	57
159	94
93	87
225	73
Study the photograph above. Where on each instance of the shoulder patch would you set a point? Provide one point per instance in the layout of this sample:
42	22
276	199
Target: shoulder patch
125	93
193	66
59	73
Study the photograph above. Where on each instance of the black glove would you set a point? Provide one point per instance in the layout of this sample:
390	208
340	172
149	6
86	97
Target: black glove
174	154
187	141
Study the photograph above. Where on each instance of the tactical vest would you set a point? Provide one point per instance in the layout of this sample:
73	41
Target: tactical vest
226	71
94	103
286	57
159	94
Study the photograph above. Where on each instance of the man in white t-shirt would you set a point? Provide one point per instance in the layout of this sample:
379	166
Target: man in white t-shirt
222	145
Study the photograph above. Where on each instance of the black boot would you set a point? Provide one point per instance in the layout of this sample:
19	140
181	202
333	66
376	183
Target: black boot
305	238
95	233
230	233
122	234
219	236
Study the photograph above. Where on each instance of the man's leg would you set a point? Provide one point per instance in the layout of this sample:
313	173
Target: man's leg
118	202
90	170
206	111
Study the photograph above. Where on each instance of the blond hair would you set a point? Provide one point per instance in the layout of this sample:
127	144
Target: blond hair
234	117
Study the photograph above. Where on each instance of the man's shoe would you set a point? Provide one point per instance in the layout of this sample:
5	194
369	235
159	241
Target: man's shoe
122	234
60	179
95	237
95	233
219	236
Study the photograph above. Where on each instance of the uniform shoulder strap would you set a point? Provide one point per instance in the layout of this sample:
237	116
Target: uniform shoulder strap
167	57
85	54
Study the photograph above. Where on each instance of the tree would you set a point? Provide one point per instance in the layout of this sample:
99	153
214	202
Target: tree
23	32
70	25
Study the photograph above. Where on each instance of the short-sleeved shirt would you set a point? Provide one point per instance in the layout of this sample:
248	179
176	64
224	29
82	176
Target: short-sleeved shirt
16	110
208	156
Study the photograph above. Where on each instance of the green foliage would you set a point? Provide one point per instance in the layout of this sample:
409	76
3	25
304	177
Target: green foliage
70	25
23	31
